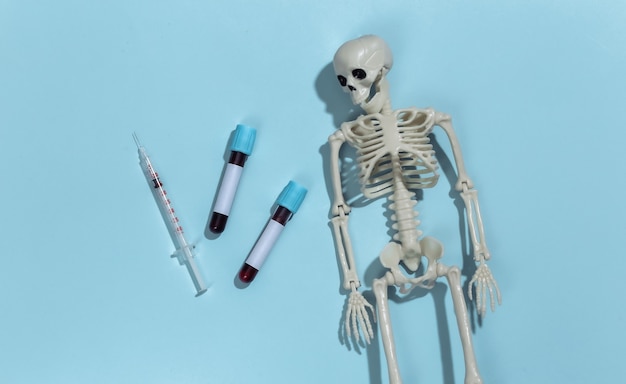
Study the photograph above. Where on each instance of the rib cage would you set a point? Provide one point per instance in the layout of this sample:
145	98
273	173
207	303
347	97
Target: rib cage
397	140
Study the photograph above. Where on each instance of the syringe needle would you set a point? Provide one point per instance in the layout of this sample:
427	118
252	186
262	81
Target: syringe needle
136	140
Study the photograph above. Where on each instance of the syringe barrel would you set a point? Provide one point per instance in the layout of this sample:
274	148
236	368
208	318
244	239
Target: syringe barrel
169	217
163	202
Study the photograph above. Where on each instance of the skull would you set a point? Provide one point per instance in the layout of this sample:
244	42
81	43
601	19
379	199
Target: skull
360	63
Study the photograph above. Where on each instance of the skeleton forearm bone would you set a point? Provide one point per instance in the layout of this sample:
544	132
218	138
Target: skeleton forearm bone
344	251
469	195
340	210
475	224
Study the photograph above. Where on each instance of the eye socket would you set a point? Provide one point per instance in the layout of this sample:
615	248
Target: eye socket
359	74
342	80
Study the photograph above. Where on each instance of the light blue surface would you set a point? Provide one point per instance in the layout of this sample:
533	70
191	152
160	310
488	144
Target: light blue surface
88	293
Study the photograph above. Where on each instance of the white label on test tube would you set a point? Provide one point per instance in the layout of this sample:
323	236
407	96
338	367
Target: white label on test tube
226	194
264	245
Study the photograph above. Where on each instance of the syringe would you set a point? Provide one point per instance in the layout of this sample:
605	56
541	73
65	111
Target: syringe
184	251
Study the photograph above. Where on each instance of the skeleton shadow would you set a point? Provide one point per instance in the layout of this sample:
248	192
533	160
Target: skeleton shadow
338	104
341	110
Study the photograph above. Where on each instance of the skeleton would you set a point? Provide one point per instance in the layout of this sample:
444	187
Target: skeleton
395	158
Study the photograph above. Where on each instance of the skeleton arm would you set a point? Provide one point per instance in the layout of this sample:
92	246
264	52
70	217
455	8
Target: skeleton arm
483	279
356	314
469	195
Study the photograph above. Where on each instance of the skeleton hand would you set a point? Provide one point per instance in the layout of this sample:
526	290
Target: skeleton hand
357	316
484	281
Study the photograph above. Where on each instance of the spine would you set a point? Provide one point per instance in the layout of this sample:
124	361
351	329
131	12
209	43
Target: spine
404	216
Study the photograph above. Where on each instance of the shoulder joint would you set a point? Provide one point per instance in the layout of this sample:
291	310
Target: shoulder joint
337	136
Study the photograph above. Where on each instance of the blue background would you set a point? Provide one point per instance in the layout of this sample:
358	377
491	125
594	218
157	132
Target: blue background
88	293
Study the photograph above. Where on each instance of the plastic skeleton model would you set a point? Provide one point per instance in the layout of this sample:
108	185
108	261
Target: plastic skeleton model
395	157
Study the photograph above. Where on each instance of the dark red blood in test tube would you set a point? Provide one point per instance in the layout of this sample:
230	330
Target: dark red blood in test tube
218	222
247	273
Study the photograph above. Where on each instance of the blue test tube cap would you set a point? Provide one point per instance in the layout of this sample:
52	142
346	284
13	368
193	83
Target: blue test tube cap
243	141
292	196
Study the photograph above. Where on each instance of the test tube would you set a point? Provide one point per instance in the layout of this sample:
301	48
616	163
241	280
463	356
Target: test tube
240	149
287	203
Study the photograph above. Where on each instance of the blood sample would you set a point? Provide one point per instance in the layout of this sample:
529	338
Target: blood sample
287	203
240	149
